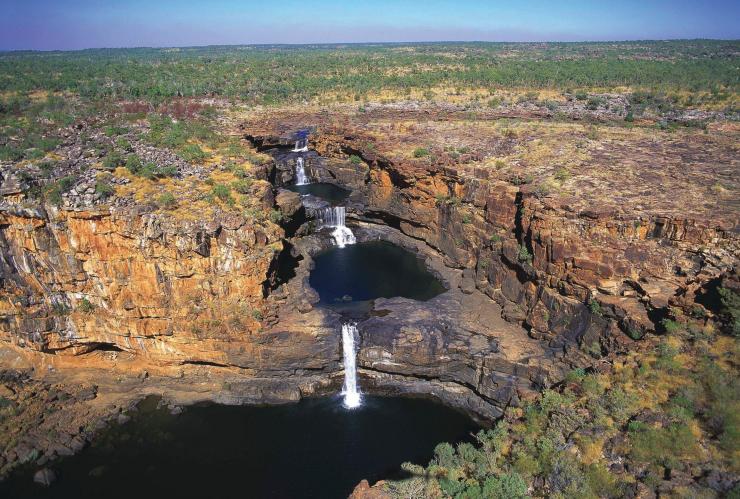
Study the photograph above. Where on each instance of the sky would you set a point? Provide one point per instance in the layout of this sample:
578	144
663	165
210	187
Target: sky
79	24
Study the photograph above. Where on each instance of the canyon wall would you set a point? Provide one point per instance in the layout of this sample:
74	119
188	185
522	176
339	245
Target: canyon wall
592	275
166	291
538	284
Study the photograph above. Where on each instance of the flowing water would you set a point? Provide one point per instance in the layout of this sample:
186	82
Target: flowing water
313	449
334	218
301	145
300	172
351	392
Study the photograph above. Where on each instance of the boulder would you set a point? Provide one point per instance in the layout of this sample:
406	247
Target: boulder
45	477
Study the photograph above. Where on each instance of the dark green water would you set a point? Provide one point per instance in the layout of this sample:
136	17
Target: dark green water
313	449
328	192
366	271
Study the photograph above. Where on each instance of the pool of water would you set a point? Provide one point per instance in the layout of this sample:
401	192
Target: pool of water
371	270
313	449
328	192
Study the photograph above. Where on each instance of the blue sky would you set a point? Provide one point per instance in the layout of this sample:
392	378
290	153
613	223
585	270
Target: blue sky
76	24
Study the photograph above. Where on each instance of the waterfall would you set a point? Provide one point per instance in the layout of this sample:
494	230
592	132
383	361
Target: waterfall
334	218
301	145
352	396
300	173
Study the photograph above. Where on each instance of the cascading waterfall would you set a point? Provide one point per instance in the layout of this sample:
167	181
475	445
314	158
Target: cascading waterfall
334	217
301	145
300	172
352	396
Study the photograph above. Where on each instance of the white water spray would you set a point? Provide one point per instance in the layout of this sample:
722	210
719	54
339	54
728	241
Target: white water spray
300	172
352	396
334	218
301	145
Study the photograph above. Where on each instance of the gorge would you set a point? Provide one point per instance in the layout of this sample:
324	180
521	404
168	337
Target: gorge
354	274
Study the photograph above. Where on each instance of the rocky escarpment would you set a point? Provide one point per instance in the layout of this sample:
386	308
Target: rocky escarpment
538	283
585	278
143	285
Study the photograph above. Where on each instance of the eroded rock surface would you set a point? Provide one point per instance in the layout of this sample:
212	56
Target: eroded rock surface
556	247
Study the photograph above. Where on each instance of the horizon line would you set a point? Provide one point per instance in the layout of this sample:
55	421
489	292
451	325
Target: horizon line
427	42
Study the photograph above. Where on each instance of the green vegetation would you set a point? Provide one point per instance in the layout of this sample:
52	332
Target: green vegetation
271	75
114	159
223	192
595	307
421	152
562	174
523	254
85	306
148	170
731	308
665	410
52	193
193	153
276	216
104	189
167	201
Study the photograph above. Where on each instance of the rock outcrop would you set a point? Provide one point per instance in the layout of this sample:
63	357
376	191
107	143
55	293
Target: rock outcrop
540	279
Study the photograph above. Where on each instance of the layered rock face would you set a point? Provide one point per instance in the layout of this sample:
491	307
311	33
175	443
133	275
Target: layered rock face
585	274
142	284
562	265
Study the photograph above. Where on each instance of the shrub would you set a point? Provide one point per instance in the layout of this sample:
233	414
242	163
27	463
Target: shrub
113	160
543	190
670	326
595	102
148	171
242	186
276	216
562	174
663	446
167	201
421	152
730	301
519	180
166	171
523	255
355	160
595	307
10	153
46	167
124	144
223	193
193	153
104	189
633	333
133	164
508	486
53	195
85	306
113	130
